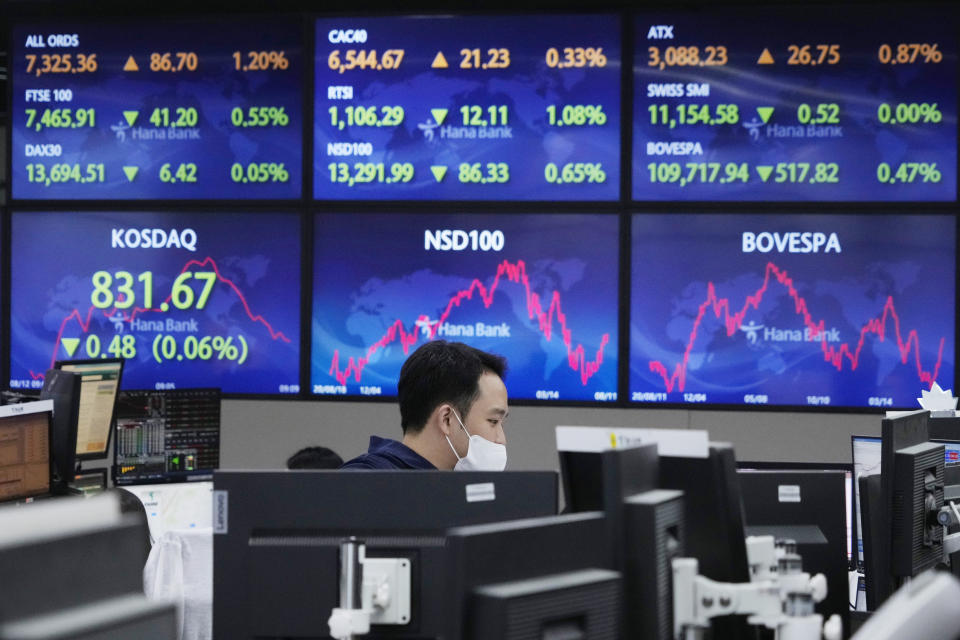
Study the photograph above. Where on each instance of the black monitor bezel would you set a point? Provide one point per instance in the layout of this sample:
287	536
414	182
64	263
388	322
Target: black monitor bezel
113	414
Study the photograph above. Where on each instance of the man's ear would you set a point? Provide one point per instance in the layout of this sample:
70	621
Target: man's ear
443	414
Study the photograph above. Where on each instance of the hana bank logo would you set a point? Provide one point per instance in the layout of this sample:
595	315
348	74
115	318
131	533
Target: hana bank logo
425	324
427	128
751	330
120	129
769	334
753	127
439	115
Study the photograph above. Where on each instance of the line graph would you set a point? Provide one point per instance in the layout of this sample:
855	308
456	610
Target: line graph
128	316
834	356
513	272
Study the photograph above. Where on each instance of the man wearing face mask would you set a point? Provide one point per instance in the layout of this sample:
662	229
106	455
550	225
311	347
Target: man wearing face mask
453	404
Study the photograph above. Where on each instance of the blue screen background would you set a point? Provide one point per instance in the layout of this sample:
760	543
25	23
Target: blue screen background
527	86
374	305
910	266
214	89
52	297
858	84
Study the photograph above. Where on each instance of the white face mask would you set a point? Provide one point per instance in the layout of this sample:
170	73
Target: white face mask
482	454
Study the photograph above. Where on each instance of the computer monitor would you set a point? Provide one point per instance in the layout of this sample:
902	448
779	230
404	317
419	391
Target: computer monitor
277	535
866	461
645	528
25	436
64	388
536	578
166	436
714	522
73	570
98	397
944	428
809	506
865	454
847	469
901	536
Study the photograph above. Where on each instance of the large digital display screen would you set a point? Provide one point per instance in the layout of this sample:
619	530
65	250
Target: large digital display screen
157	110
787	104
467	108
188	299
818	310
539	289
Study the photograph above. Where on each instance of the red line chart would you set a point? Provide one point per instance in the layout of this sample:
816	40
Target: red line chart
835	356
514	273
129	315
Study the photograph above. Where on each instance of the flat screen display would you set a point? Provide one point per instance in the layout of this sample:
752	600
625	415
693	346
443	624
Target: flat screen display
791	104
540	289
792	309
467	108
187	299
157	110
100	382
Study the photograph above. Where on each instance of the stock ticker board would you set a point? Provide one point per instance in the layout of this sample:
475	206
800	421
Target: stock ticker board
786	104
816	310
467	108
184	302
157	110
540	289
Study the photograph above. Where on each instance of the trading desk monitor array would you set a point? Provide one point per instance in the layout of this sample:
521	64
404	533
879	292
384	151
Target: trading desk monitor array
167	436
100	383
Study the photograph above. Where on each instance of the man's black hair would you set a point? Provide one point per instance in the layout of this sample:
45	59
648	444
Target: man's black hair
442	372
314	458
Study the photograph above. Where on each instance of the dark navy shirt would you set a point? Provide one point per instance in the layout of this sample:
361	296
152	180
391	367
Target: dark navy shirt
388	454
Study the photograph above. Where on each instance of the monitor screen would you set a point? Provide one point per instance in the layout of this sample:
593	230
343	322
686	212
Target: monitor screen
167	436
25	449
777	103
157	109
791	309
100	382
467	108
188	300
951	452
539	289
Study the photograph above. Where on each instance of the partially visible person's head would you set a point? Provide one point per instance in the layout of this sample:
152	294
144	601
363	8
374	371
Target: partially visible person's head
441	372
131	503
314	458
